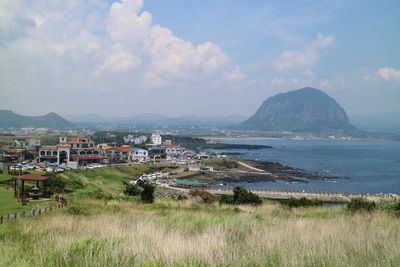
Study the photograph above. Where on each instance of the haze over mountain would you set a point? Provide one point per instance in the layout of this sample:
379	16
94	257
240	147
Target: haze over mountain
382	121
154	119
304	110
9	119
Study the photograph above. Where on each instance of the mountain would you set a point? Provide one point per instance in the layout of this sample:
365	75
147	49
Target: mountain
382	121
9	119
304	110
153	119
85	118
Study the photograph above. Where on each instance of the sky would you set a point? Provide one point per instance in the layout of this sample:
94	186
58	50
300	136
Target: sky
205	58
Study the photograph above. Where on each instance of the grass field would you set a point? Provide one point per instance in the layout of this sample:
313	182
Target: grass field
10	205
121	231
173	233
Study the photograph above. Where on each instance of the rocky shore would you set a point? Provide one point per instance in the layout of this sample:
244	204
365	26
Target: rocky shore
268	172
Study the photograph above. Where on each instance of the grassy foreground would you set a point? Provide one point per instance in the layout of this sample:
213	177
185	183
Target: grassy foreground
181	233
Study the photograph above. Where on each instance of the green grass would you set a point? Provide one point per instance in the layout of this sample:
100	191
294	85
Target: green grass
122	231
11	205
126	232
109	179
5	176
182	175
229	164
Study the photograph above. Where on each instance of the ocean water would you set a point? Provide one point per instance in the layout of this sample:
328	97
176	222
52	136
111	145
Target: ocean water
363	166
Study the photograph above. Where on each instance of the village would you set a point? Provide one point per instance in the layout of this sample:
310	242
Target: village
80	152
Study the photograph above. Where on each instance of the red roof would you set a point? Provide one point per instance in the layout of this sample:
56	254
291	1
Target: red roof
125	148
31	177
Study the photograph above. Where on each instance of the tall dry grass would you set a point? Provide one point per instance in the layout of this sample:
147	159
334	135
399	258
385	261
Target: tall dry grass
188	234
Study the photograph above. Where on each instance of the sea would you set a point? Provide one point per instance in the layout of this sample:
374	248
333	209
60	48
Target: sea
361	166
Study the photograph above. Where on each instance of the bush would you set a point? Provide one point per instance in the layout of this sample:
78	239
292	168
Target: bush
241	196
54	184
131	189
77	210
359	204
302	202
226	199
1	171
207	197
99	194
147	195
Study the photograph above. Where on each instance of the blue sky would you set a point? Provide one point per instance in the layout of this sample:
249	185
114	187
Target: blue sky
195	57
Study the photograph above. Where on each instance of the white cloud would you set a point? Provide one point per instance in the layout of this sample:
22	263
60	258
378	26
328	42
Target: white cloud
45	41
389	74
307	57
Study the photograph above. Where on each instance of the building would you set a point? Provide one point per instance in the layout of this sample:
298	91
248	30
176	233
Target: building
139	154
79	150
168	144
113	154
34	143
157	152
110	154
125	153
135	140
175	152
156	139
19	143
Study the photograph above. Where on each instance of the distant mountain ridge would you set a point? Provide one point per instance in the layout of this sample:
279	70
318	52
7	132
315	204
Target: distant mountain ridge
154	119
9	119
303	110
389	120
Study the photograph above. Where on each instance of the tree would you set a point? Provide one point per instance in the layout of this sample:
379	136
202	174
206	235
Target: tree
241	196
131	189
147	195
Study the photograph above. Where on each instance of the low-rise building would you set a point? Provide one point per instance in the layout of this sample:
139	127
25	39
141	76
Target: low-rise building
175	152
125	153
81	150
139	154
157	152
34	143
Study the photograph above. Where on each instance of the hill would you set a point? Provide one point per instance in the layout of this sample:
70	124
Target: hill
304	110
9	119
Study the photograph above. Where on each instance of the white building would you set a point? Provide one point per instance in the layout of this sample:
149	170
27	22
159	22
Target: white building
135	139
156	139
175	152
139	154
34	143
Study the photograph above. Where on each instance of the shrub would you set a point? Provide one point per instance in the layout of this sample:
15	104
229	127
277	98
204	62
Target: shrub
131	189
359	204
241	196
147	195
207	197
54	184
99	194
77	210
226	199
302	202
1	171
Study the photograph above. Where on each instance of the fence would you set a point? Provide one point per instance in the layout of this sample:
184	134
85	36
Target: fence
34	212
294	193
61	203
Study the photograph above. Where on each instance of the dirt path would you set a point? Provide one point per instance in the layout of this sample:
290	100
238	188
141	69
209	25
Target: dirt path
253	168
